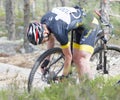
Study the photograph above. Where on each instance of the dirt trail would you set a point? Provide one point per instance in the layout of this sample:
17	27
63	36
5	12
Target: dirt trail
15	65
10	75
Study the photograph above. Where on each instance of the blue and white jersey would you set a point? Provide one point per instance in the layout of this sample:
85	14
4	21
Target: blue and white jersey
61	20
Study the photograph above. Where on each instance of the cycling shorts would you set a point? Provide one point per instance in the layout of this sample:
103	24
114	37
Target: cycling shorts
84	39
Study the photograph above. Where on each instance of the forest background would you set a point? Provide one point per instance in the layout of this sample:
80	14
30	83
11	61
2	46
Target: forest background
16	14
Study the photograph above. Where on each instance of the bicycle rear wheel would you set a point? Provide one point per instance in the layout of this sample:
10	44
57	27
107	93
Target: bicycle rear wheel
54	68
112	64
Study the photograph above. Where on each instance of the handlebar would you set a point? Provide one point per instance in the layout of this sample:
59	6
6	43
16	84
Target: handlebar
107	29
103	21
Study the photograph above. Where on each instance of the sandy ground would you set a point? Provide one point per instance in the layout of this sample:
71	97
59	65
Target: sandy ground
15	66
15	69
21	60
10	75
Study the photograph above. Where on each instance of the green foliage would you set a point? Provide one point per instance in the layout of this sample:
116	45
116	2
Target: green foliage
115	10
98	89
116	24
2	13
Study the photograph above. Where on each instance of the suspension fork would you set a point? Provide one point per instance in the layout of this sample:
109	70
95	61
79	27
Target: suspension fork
105	70
103	56
71	41
102	64
100	56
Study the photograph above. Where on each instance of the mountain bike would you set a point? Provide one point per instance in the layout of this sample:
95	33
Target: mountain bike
105	60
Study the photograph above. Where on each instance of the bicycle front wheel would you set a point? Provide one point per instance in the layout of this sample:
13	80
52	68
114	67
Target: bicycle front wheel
112	61
36	78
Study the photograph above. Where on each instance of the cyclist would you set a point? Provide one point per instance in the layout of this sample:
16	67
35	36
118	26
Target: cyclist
56	24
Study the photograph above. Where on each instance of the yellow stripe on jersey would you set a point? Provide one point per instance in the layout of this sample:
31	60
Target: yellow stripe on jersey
65	46
84	47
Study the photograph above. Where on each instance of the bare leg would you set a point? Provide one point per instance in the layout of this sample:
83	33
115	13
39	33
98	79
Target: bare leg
81	60
68	59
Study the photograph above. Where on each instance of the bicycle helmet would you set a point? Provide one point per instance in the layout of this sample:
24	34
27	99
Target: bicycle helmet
35	33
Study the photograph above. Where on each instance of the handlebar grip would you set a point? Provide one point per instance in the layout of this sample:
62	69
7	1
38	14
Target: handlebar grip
98	13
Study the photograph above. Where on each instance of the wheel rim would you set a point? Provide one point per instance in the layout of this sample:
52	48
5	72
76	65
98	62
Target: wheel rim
55	66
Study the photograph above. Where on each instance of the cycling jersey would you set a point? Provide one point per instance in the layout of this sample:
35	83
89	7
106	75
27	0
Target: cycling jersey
61	20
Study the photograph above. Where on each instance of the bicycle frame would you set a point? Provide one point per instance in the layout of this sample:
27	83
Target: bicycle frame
103	43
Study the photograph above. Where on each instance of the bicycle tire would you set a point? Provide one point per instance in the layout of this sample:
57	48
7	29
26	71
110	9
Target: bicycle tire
113	60
59	57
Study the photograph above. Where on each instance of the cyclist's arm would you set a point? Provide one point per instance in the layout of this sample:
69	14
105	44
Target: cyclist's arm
51	42
68	58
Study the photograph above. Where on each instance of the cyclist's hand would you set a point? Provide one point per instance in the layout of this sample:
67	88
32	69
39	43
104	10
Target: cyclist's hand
45	63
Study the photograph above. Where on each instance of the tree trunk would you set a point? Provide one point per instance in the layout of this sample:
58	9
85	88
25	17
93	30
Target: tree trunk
62	2
10	19
26	24
105	10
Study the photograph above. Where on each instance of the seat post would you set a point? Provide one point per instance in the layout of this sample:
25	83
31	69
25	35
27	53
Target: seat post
71	41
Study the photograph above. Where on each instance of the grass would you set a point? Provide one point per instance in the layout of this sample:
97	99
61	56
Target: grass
98	89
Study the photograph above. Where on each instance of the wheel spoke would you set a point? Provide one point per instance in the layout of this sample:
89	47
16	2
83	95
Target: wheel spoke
54	68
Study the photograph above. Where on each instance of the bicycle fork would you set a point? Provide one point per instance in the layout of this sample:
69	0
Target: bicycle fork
105	69
102	65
